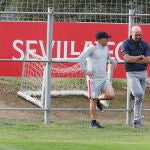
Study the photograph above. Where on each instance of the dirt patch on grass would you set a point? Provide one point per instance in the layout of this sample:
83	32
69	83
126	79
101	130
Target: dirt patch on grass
9	99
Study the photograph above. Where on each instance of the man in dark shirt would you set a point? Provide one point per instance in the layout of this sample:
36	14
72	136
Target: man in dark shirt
136	54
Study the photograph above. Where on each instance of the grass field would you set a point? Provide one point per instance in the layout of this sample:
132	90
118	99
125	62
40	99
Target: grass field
69	130
71	135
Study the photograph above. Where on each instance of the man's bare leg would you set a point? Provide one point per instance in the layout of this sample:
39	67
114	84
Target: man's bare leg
94	123
104	98
93	103
108	93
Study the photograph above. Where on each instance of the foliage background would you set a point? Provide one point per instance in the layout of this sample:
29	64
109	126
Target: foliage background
78	6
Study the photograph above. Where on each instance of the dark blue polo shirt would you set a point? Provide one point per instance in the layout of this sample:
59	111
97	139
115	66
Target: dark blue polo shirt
134	48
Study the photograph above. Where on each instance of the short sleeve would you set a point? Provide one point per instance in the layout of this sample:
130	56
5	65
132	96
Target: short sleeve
124	48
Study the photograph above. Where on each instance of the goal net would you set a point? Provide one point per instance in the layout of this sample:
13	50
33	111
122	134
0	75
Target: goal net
66	79
32	83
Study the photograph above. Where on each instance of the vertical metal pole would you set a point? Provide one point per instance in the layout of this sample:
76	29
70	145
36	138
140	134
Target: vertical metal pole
110	71
129	112
43	87
109	74
129	109
23	71
48	66
131	20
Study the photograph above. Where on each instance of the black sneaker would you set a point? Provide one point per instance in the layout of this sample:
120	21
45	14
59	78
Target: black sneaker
137	124
95	125
131	96
99	106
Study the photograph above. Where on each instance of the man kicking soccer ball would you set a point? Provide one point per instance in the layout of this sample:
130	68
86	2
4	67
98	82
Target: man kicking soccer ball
93	62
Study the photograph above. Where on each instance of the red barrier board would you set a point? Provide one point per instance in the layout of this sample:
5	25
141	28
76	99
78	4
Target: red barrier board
69	39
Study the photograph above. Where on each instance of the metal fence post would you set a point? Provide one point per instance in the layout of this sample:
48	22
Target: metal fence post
129	111
48	66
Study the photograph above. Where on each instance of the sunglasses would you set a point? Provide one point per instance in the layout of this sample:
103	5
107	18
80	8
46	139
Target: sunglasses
137	34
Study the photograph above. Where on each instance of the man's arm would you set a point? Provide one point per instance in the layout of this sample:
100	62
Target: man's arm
137	59
82	59
145	60
134	59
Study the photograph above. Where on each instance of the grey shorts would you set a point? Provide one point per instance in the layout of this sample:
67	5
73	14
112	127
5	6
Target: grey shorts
97	86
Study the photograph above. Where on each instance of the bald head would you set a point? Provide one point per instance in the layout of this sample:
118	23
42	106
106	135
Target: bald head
136	33
136	29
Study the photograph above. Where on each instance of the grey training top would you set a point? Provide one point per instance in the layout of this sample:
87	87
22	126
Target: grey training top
94	59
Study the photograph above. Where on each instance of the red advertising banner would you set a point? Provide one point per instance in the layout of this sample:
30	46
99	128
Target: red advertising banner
69	39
